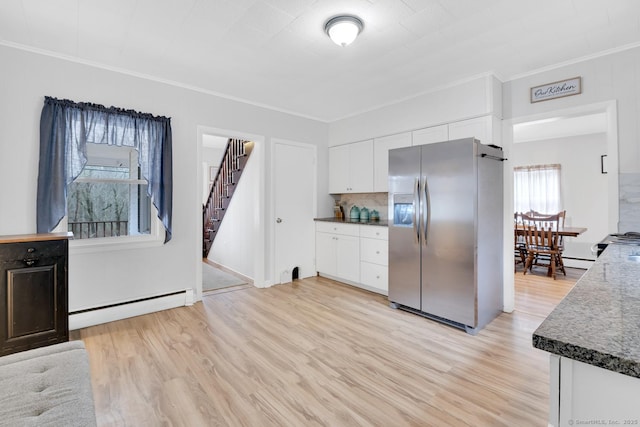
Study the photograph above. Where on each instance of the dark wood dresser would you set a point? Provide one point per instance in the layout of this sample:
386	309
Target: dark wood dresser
33	291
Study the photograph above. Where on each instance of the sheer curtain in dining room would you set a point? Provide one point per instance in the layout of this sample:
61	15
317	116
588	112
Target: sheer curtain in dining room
537	188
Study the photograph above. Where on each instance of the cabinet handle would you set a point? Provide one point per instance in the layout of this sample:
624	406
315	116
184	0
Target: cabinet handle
377	252
30	262
377	277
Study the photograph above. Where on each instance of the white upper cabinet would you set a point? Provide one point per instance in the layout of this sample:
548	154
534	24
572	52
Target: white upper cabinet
339	169
381	147
363	167
351	168
480	128
430	135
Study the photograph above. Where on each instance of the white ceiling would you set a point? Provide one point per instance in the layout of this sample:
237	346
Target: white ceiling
275	53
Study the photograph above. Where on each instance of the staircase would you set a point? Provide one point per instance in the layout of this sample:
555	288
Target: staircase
224	185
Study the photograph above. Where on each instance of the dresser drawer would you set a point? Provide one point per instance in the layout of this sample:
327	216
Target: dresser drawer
375	276
337	228
374	251
374	232
32	250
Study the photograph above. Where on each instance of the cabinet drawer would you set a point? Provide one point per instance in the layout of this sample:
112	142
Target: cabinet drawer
375	276
337	228
31	250
374	251
374	232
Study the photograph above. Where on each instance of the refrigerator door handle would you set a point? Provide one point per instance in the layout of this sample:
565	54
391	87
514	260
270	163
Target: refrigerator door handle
416	207
426	211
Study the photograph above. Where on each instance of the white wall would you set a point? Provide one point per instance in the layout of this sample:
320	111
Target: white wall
235	242
100	279
211	158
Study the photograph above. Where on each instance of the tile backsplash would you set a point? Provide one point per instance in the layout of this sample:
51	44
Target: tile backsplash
377	201
629	202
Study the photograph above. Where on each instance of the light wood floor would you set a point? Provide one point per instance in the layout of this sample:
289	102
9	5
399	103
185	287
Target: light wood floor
319	353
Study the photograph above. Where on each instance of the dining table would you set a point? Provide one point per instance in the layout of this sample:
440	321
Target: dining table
562	231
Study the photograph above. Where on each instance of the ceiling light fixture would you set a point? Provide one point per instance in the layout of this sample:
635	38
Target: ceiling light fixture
343	29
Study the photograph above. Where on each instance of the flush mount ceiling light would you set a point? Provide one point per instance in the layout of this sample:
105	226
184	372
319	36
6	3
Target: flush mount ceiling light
343	29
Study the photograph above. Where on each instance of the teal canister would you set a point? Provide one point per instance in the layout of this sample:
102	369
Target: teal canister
364	214
354	213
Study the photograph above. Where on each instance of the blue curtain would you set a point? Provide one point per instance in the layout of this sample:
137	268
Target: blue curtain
65	129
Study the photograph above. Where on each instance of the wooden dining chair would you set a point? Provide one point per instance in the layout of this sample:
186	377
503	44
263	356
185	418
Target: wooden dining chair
541	220
519	243
542	244
562	215
553	221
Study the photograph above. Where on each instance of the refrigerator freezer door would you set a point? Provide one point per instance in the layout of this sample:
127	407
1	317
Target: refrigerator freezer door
404	227
448	258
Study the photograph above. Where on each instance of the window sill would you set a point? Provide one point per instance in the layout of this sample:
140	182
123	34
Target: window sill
106	244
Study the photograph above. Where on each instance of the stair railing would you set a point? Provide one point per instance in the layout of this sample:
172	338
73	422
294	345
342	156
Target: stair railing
213	211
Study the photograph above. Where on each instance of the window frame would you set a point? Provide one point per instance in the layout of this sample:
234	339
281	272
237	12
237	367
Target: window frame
155	237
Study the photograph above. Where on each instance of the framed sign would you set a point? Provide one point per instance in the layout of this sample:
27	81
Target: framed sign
555	90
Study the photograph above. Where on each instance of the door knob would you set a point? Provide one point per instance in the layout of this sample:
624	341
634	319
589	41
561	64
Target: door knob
279	220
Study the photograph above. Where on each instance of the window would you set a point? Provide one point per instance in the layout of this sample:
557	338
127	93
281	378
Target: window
109	198
104	173
537	188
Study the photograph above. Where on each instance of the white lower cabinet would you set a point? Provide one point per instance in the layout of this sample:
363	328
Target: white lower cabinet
374	258
354	254
338	250
375	277
586	394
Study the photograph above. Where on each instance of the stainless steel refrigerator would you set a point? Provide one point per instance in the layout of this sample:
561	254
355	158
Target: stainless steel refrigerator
446	232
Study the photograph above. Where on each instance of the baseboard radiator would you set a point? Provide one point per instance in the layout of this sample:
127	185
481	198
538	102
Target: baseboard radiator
97	315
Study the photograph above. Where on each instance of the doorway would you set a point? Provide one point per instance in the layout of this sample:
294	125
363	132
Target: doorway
584	140
238	248
578	146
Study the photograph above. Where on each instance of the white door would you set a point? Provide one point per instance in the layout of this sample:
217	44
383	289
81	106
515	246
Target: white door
294	196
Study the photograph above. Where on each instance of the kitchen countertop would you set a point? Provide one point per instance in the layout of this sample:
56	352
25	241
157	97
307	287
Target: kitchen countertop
381	222
598	322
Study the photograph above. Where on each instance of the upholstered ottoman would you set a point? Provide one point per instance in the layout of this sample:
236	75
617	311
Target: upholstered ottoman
47	386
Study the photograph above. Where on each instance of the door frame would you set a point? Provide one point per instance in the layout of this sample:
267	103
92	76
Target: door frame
610	108
258	229
273	190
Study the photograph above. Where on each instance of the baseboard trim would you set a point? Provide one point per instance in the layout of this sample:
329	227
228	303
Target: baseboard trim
109	313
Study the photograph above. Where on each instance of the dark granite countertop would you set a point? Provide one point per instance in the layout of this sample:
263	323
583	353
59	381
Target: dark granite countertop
382	222
598	322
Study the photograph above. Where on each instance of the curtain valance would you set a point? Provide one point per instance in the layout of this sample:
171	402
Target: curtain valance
65	129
